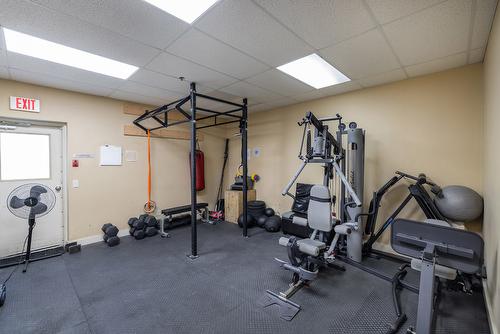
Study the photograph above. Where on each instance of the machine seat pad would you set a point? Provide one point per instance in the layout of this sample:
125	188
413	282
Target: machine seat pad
310	247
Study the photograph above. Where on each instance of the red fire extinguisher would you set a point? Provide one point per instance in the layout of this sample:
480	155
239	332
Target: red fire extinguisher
200	169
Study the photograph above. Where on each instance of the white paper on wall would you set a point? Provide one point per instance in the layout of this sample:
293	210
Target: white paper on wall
131	156
111	155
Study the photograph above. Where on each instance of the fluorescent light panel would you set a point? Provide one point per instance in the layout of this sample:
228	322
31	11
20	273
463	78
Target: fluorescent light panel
39	48
186	10
314	71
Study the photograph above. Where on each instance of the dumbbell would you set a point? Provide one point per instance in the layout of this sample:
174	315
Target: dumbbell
150	221
113	241
139	224
110	234
151	231
105	226
139	234
131	221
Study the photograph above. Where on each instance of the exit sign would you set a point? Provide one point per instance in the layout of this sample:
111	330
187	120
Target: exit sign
24	104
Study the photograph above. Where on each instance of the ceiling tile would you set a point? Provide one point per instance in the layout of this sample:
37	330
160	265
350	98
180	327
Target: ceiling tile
203	49
225	96
3	57
60	83
476	56
321	22
137	88
244	25
128	96
177	67
271	105
158	80
280	83
329	91
43	67
485	11
437	65
30	18
132	18
383	78
390	10
214	105
362	56
253	93
432	33
4	73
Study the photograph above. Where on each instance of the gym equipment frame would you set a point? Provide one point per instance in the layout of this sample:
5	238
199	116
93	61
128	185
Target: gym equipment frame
326	149
416	191
307	255
442	251
239	114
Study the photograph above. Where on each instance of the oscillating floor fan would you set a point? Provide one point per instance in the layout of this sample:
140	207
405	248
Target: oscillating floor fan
30	201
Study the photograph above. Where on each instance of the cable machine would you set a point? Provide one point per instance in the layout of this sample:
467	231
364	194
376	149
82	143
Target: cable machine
238	113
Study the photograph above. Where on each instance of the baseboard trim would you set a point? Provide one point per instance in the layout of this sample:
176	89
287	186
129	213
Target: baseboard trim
98	238
489	309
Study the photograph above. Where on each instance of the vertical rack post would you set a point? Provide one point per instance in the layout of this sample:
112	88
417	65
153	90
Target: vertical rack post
342	186
244	158
194	240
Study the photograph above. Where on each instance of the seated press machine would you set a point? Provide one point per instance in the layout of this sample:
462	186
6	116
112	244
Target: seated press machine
307	255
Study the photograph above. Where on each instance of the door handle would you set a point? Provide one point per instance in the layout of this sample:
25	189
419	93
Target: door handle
58	188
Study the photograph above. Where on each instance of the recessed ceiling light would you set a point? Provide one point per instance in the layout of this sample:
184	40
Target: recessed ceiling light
186	10
39	48
314	71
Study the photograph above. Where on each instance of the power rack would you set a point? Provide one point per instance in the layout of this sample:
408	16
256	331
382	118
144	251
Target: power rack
238	114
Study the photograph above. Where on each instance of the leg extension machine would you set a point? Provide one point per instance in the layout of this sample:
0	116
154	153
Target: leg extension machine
437	250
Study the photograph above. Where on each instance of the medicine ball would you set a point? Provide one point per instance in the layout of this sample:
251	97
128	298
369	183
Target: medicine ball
273	224
269	212
261	221
250	220
459	203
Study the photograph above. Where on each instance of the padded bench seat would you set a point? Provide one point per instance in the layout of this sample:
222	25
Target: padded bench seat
167	221
181	209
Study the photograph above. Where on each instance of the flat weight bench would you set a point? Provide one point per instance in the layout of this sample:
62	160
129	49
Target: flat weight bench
168	215
440	249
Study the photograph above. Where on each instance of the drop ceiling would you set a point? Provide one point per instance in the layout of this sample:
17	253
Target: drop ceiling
233	49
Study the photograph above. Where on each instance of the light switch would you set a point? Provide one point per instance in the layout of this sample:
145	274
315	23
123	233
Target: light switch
76	184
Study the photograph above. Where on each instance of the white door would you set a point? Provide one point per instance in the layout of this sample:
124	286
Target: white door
30	154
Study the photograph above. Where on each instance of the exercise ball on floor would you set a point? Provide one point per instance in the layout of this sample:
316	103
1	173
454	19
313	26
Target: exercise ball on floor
269	212
261	221
250	220
273	224
459	203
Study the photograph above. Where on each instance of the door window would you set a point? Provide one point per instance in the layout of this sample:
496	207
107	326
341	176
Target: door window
24	156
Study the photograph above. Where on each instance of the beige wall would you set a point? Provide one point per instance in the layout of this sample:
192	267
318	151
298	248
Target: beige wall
492	166
430	124
113	194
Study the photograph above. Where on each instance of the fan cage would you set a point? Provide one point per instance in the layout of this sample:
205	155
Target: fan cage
23	192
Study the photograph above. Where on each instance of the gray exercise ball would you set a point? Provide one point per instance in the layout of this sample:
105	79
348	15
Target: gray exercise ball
459	203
